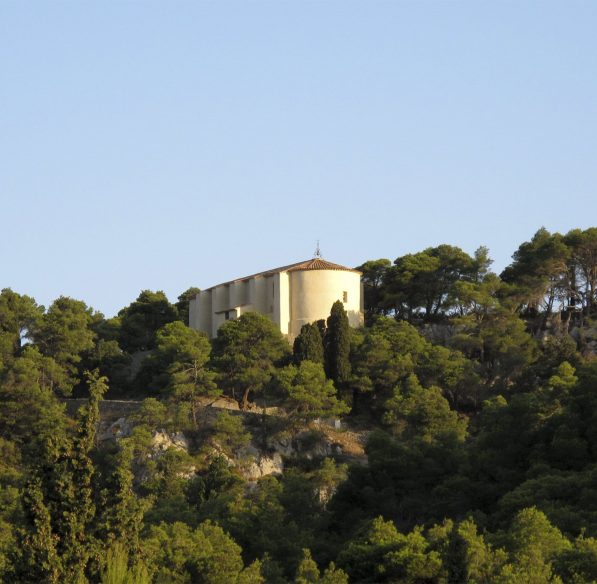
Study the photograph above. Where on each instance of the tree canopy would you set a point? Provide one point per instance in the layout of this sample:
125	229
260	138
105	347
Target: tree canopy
468	452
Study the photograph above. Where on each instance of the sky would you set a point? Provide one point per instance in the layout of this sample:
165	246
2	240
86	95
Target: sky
163	145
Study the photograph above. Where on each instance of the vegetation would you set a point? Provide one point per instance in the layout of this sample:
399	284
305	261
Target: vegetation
474	395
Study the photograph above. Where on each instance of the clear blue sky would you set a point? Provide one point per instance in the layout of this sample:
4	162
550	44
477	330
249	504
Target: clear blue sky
167	144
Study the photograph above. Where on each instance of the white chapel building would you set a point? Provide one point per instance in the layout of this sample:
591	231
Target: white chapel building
290	296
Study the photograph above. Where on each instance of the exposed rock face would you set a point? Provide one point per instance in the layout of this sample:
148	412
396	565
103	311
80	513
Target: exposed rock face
303	444
252	463
163	441
282	445
323	439
262	466
221	403
324	494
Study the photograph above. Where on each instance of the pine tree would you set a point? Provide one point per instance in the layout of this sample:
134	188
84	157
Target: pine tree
337	344
307	571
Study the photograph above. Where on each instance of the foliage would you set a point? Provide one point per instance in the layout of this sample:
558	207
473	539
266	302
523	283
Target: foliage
308	394
64	334
19	317
374	276
308	346
152	413
245	354
426	281
118	571
308	572
182	306
473	394
121	514
492	334
229	433
414	411
140	321
337	344
383	554
177	554
391	351
30	410
58	502
184	353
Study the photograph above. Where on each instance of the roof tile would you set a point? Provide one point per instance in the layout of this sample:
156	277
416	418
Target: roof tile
312	264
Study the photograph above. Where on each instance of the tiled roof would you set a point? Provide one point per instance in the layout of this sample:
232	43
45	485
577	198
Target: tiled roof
313	264
319	264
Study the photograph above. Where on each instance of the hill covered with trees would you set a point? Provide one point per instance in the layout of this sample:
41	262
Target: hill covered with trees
475	395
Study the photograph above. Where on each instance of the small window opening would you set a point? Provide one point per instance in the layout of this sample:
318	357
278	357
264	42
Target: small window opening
344	296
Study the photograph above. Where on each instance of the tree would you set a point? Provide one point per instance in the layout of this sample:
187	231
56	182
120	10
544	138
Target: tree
230	434
11	485
389	352
39	558
337	344
308	572
76	544
183	303
64	333
425	280
308	394
152	413
118	571
245	353
540	273
382	554
374	286
564	378
580	563
393	350
67	475
466	554
30	410
121	516
309	345
259	522
206	555
583	245
534	544
19	316
140	321
492	333
415	412
185	353
60	504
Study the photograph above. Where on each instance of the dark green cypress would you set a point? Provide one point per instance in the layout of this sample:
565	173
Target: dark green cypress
337	344
308	346
37	559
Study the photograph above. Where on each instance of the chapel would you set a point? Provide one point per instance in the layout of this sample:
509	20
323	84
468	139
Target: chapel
290	296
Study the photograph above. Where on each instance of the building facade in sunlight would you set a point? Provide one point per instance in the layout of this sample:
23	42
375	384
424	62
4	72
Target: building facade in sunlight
290	296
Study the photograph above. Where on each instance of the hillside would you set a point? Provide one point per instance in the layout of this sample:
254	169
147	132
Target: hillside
451	439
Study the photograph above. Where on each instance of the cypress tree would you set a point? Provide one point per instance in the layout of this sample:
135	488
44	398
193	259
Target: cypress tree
59	501
38	559
337	344
121	516
308	346
320	324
